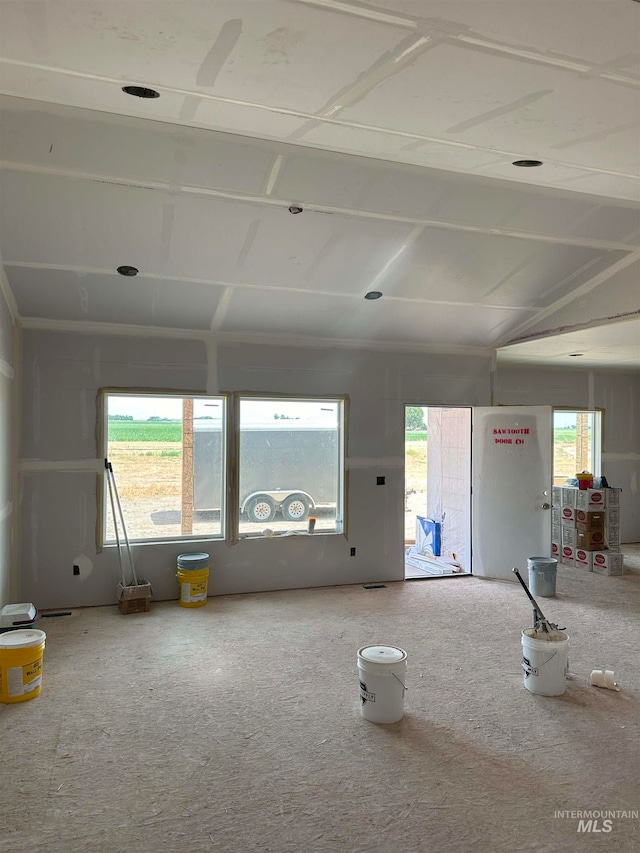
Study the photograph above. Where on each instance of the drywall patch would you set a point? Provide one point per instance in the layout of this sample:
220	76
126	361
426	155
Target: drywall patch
84	564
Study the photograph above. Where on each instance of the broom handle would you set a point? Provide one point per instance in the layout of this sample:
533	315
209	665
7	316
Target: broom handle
536	609
124	526
107	465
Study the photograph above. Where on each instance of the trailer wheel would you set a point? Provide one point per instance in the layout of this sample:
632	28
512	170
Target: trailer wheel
295	508
261	509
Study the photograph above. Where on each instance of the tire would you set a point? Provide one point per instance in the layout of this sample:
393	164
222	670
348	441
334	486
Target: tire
295	508
261	509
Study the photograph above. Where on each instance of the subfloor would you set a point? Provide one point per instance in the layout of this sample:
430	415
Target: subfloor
236	726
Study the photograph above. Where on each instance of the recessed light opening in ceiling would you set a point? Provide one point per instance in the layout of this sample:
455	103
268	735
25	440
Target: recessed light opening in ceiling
126	270
527	164
140	92
373	294
295	209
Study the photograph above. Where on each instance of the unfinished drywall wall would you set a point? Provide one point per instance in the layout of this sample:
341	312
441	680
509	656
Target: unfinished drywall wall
62	373
617	393
7	389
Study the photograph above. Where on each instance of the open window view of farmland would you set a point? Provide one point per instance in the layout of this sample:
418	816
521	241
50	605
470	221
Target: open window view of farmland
168	457
150	446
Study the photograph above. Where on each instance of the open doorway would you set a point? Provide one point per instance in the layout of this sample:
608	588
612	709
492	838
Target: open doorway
437	492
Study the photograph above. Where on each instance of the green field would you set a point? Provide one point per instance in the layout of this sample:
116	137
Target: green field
145	431
172	431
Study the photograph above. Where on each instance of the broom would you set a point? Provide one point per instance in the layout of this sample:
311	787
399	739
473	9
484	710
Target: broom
133	596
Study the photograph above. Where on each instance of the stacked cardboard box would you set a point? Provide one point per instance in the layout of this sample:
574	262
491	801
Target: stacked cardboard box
585	529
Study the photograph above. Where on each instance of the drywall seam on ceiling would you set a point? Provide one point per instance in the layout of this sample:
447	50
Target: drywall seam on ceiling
190	122
386	66
241	285
9	298
221	311
273	175
515	336
413	236
6	369
89	327
463	36
34	466
212	385
309	206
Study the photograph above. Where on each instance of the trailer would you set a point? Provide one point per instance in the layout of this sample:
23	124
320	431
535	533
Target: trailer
285	468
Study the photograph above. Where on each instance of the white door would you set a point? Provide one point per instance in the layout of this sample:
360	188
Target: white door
511	475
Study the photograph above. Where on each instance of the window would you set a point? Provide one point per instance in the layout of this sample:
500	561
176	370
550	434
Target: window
168	455
291	463
576	444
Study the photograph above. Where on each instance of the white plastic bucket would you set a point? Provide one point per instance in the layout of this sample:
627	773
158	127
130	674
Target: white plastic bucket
545	661
542	576
382	673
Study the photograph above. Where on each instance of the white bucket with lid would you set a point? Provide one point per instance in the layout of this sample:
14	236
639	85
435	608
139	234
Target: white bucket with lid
545	661
382	673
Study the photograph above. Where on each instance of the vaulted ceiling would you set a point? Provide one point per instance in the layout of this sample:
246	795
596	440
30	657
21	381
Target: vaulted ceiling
394	125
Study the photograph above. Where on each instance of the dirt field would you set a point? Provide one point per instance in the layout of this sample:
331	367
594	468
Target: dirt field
149	483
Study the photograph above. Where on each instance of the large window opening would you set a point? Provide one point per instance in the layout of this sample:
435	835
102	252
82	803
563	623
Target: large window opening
291	462
577	444
182	471
169	460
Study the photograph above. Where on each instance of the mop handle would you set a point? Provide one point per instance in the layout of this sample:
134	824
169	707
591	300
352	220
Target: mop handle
531	598
115	523
110	473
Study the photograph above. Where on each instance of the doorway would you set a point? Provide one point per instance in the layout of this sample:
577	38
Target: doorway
437	492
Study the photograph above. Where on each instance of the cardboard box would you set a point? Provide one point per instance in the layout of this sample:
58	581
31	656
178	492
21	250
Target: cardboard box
568	515
568	496
556	548
612	539
591	499
568	535
556	514
612	515
613	497
608	563
590	520
568	555
584	559
556	532
590	540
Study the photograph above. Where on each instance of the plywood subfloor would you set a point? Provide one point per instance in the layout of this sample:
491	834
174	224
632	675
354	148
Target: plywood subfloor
236	727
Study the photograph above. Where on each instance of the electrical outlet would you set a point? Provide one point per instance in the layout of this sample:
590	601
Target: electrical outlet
76	570
353	552
379	481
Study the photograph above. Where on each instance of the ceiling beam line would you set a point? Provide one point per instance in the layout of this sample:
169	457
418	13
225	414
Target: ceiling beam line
88	327
246	198
83	270
186	122
514	335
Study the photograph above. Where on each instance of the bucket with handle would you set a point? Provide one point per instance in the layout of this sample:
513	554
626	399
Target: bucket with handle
545	661
21	654
382	674
542	576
